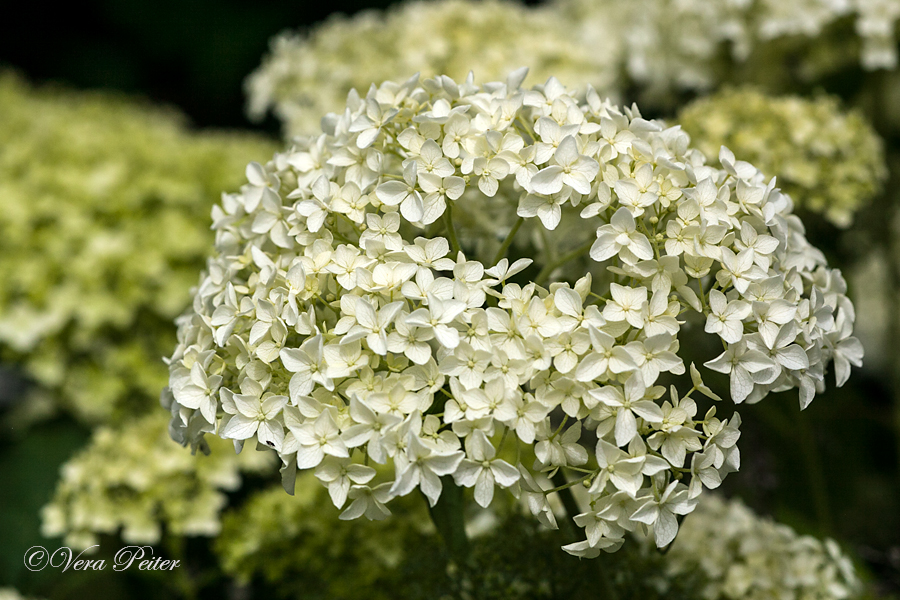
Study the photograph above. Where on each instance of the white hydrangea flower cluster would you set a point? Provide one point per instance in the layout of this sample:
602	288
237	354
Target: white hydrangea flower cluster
339	323
747	557
308	74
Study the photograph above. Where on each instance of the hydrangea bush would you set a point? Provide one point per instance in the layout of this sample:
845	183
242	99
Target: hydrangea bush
653	49
295	544
104	209
307	74
829	161
724	551
132	480
8	593
341	324
745	556
667	46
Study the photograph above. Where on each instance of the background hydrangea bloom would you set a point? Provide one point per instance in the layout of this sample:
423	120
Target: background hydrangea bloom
750	557
678	45
308	74
724	551
8	593
651	49
296	544
828	160
104	203
133	480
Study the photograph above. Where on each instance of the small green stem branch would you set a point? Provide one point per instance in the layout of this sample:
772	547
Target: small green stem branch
568	501
570	530
508	241
448	516
815	472
702	295
451	231
566	484
351	224
553	265
175	545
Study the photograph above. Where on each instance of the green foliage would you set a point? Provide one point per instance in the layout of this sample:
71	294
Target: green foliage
292	547
296	546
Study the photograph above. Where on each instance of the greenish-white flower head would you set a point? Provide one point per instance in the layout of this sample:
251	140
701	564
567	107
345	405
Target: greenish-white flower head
685	45
307	75
281	538
103	208
652	49
344	319
9	593
750	557
828	160
132	480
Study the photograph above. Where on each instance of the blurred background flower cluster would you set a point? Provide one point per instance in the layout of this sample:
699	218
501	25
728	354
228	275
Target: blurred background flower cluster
118	136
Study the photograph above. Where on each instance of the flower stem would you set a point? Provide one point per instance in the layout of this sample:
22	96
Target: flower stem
814	472
449	519
508	241
569	530
566	485
891	248
568	501
451	232
175	545
551	266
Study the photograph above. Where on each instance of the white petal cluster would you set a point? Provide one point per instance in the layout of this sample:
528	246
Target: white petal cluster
339	323
748	557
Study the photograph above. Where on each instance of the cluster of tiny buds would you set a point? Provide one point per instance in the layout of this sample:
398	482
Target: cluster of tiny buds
340	323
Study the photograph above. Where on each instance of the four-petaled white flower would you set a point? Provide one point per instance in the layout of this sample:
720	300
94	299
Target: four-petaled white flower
660	512
746	367
569	168
200	392
628	403
725	317
339	474
316	438
620	237
482	469
255	415
404	194
423	467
